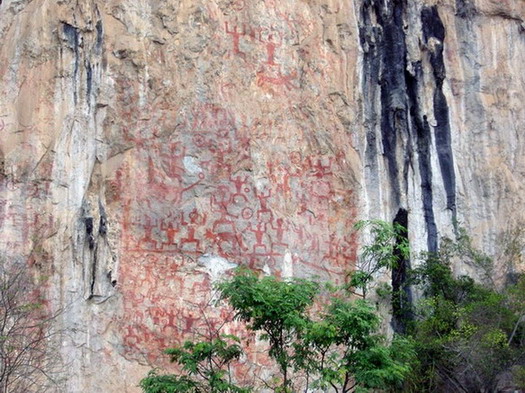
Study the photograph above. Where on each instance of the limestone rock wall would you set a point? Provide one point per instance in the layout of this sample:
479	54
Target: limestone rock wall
148	147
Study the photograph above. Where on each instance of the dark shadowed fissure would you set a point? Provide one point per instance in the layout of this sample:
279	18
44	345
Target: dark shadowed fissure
401	293
433	29
398	131
384	49
90	238
393	110
72	36
423	137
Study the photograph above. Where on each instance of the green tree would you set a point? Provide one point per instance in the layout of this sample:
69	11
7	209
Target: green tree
337	348
277	308
343	351
206	367
387	248
467	334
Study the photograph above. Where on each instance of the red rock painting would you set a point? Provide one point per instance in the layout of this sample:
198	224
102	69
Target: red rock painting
195	199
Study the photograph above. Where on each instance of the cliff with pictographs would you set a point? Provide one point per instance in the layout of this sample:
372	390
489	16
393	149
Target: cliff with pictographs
149	147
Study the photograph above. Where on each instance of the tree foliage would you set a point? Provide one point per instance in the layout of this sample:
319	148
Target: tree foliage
343	350
205	365
276	308
336	347
468	334
461	335
387	247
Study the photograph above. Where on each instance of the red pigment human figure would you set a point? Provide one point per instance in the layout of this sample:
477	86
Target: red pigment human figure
159	316
279	228
222	200
314	245
189	321
348	248
224	230
296	169
236	35
280	176
351	241
242	139
238	182
196	220
259	232
263	201
304	208
300	232
171	231
333	245
147	238
271	44
321	170
172	161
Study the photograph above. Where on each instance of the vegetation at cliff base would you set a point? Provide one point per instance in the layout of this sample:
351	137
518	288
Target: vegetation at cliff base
461	335
469	336
27	362
336	348
206	367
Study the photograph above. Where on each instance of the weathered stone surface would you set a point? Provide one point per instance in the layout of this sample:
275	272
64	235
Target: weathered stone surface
148	147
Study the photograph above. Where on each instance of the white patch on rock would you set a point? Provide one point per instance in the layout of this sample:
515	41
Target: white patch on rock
215	266
287	271
190	164
266	270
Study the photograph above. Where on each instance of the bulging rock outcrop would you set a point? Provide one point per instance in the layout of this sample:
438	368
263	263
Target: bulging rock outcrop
146	148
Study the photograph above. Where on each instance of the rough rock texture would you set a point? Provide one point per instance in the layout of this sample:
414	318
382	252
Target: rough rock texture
147	147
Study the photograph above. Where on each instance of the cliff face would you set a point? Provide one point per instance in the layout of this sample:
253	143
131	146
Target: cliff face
147	147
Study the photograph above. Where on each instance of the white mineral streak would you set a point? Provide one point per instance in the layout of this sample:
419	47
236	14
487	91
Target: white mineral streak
216	266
